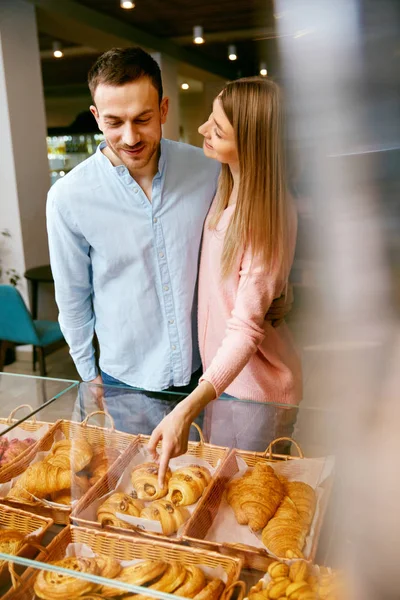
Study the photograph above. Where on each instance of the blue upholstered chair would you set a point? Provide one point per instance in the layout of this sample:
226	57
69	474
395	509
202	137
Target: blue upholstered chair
17	325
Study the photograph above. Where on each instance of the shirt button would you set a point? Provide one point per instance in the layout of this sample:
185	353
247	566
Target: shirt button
171	321
155	220
173	347
166	288
161	254
136	191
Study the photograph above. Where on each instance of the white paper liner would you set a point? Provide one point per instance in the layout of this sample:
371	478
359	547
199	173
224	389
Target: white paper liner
124	484
79	549
313	471
6	487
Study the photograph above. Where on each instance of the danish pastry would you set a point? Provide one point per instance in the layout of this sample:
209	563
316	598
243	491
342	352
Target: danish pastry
212	591
256	496
59	586
144	479
118	502
108	567
187	485
171	517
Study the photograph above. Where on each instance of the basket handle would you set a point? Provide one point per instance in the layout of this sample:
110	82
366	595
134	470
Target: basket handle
242	589
16	579
199	431
99	412
268	451
13	412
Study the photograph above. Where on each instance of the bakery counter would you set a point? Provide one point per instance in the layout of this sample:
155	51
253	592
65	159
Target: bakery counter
253	487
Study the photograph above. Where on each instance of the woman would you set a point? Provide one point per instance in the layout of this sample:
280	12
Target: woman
248	248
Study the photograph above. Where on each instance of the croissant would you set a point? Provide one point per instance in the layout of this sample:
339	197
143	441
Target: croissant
144	479
303	497
171	517
194	582
58	586
118	502
14	448
256	496
285	531
40	479
187	485
74	454
212	591
101	461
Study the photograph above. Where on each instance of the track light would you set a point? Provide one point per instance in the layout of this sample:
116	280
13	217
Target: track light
185	86
263	69
57	52
198	34
232	52
127	4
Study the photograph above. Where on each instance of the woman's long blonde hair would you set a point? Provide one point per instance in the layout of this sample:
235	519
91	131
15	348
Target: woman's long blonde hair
253	106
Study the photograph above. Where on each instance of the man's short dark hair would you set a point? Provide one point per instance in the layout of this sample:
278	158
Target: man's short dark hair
119	66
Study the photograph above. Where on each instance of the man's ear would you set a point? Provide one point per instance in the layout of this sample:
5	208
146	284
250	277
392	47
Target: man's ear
95	113
164	110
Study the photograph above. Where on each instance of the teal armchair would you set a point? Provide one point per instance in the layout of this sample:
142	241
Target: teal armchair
17	326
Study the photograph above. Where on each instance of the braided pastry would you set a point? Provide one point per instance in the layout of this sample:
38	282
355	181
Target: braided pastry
255	496
171	517
187	485
58	586
212	591
118	502
144	479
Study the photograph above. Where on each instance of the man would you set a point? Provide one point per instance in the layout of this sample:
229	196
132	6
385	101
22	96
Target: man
124	233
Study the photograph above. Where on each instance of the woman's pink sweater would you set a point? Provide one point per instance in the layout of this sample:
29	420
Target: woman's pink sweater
242	354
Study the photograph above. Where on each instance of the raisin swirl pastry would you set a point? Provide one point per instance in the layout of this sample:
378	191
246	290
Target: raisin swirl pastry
187	485
58	586
171	517
118	502
144	479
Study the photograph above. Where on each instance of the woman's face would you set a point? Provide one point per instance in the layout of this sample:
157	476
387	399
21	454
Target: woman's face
219	139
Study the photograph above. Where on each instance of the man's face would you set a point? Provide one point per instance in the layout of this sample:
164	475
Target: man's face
130	117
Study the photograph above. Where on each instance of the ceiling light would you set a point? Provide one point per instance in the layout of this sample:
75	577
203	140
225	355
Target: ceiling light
57	52
127	4
198	34
232	52
263	69
185	86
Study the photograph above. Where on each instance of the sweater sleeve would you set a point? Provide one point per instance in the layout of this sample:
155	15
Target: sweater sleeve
245	329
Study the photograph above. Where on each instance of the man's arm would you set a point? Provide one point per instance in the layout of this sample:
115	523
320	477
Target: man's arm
71	267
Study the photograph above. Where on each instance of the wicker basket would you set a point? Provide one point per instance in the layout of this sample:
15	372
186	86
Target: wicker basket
208	452
127	548
29	426
96	436
13	519
253	558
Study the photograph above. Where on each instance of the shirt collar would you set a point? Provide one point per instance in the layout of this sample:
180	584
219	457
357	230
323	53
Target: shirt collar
106	161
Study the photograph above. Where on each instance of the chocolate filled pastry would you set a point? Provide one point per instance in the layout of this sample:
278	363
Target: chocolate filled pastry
101	461
187	485
171	517
256	496
194	582
139	574
118	502
144	479
212	591
58	586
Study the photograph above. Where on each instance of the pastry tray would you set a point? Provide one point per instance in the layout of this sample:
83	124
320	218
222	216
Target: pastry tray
96	436
214	455
253	557
127	548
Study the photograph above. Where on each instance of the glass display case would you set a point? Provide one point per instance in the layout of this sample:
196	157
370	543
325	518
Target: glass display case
66	151
115	525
